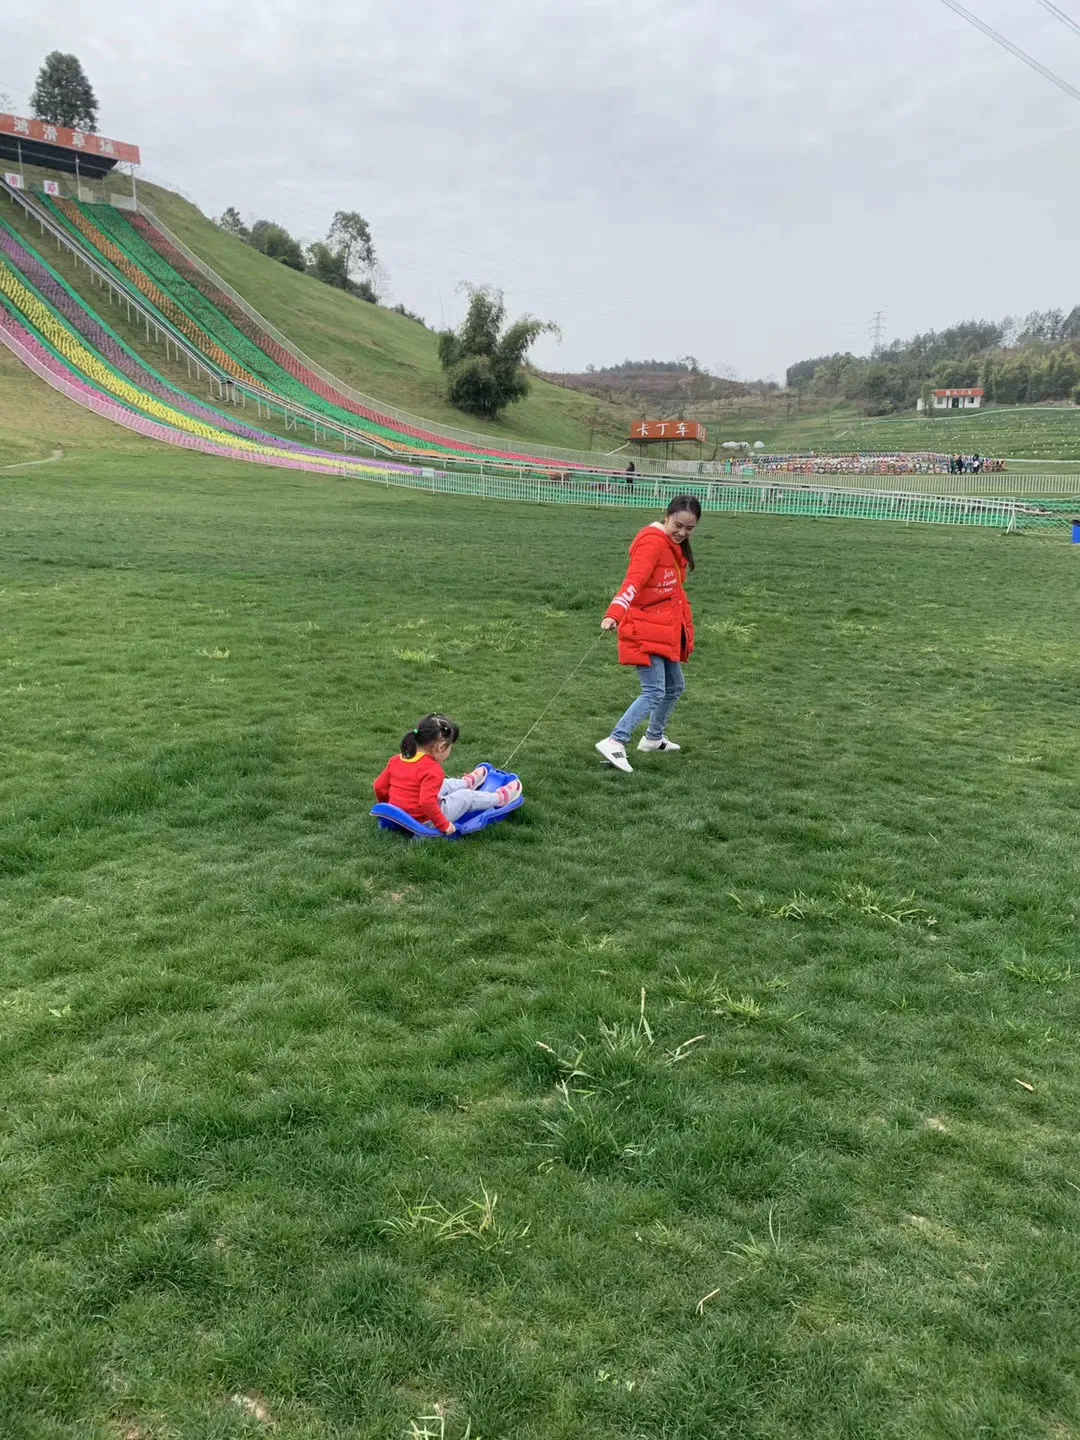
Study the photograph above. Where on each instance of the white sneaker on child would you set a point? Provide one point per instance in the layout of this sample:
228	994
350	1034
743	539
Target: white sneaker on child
614	752
662	744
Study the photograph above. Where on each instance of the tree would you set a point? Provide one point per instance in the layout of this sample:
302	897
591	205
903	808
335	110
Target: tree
275	241
346	258
400	309
328	265
230	221
63	95
7	105
350	234
799	375
331	267
484	363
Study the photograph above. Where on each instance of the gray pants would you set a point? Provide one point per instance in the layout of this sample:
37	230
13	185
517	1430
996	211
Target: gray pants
456	799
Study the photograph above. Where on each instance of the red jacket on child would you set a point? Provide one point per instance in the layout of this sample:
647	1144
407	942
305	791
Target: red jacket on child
652	611
413	786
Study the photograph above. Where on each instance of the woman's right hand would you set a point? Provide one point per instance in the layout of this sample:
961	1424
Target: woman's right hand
608	624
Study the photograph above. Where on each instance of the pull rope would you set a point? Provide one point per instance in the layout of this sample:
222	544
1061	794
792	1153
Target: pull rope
558	692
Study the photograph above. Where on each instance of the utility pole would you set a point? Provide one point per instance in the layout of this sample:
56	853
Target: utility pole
877	331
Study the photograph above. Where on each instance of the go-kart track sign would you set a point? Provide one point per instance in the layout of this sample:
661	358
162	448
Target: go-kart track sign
648	430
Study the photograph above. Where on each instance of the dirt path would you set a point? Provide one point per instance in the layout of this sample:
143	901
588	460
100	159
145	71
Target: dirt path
57	454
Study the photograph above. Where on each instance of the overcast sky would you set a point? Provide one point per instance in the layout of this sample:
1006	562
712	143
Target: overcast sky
746	181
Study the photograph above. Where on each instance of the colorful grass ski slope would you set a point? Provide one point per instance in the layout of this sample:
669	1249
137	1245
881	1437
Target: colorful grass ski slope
140	256
50	329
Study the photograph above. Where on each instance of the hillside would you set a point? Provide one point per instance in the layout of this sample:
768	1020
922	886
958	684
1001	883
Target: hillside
375	350
663	391
798	420
1035	432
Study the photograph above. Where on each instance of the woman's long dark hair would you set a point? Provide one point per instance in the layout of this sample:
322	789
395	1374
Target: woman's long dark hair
430	729
692	504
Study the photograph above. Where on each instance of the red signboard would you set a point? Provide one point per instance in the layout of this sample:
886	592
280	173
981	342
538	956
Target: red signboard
959	394
667	430
45	133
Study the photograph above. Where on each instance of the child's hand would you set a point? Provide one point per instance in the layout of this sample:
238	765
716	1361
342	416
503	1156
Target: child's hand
607	623
452	830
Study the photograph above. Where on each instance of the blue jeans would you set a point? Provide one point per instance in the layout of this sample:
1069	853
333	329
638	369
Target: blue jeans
661	685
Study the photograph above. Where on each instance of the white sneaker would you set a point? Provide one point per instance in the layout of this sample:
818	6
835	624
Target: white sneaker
662	744
614	752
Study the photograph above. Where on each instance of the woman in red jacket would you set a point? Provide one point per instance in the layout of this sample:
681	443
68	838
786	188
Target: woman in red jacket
656	627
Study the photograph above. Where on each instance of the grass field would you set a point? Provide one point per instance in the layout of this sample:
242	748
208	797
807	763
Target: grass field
734	1098
35	421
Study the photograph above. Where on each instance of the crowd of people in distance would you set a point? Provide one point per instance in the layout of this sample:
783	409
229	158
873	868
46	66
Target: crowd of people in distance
875	464
972	464
750	468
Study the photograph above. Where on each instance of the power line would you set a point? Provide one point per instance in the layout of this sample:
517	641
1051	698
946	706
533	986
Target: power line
1065	19
1013	49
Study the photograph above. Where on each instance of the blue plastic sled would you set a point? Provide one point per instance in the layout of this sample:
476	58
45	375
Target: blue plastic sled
391	818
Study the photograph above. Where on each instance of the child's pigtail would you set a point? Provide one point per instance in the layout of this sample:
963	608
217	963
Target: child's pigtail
430	729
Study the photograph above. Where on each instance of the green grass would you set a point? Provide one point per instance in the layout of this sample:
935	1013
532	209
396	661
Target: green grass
35	420
681	1105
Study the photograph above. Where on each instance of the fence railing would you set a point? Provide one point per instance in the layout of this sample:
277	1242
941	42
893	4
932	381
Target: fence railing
999	482
750	497
646	494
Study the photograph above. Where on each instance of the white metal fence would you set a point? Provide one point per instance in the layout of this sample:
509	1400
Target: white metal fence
999	482
747	497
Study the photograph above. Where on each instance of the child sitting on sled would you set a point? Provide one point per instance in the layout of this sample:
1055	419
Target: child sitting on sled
416	782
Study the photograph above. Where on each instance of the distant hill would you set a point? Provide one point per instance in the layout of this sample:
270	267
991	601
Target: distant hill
1016	362
674	387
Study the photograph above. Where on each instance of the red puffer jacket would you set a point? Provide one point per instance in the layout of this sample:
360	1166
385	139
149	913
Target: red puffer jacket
651	609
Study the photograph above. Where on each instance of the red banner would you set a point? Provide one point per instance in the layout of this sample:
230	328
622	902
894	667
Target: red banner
667	430
45	133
